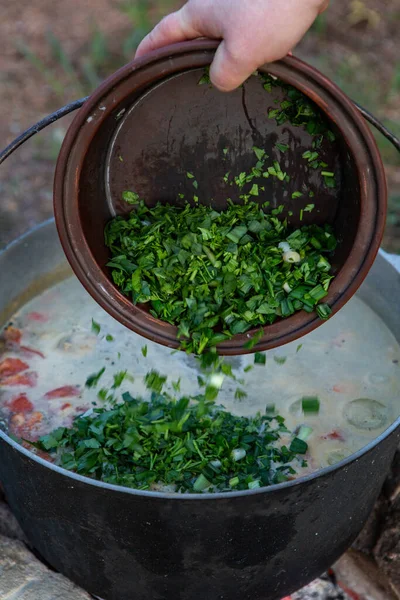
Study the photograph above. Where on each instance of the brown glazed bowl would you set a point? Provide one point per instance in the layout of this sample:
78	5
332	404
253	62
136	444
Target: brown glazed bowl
151	122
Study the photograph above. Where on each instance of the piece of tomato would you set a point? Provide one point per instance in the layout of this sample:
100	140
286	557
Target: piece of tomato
12	366
66	391
29	379
20	404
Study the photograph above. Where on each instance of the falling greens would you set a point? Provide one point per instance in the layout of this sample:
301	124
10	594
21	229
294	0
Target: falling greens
218	274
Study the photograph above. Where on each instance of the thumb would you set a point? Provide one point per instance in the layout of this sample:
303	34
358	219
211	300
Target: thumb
229	70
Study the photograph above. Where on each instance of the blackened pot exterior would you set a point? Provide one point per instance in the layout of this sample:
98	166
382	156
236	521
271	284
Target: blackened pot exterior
123	545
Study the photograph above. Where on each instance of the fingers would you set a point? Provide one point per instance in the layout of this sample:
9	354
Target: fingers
229	71
174	28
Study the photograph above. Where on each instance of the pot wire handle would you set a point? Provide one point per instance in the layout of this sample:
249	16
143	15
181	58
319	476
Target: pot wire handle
28	133
68	108
395	141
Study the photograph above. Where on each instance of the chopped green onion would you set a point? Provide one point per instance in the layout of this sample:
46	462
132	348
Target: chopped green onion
96	328
310	404
260	358
201	483
280	360
252	485
298	446
304	433
93	379
238	454
130	197
324	311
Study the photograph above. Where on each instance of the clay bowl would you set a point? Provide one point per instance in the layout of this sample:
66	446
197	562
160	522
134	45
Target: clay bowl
151	122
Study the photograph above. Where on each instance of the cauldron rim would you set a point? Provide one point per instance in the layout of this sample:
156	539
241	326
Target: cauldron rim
185	496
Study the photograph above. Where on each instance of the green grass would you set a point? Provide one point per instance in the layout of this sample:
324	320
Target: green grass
70	77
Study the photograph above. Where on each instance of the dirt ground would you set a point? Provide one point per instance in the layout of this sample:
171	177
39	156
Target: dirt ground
54	52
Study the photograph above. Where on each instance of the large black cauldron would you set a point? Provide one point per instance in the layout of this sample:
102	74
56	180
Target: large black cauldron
122	544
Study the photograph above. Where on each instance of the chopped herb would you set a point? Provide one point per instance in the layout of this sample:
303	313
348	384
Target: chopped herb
254	340
176	385
93	379
130	197
309	207
282	147
297	195
254	190
193	446
109	338
119	378
240	394
299	347
154	381
280	360
205	79
144	351
298	446
96	328
259	152
189	175
324	311
310	404
260	358
304	433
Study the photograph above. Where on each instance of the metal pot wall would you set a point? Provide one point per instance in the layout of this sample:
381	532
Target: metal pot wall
120	543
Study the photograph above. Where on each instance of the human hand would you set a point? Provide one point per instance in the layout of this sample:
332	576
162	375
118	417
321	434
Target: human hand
253	32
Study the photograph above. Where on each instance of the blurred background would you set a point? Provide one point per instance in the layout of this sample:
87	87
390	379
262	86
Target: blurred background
55	52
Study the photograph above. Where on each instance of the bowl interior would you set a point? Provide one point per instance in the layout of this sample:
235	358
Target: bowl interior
179	126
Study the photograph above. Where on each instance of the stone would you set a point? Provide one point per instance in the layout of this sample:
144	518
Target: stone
359	576
9	526
370	534
23	577
320	589
387	551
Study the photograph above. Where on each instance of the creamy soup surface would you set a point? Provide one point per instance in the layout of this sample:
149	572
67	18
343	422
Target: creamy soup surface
351	363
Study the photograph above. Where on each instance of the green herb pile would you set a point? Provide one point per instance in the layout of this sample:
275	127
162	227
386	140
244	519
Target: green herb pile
217	274
190	444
